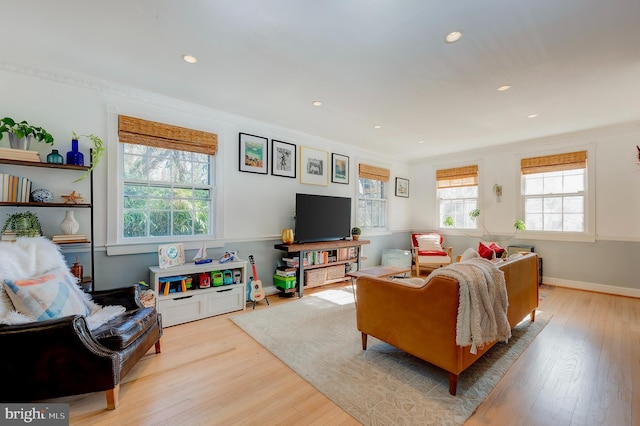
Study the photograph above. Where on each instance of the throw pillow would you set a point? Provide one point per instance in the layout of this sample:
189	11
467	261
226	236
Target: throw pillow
52	295
429	242
469	254
499	250
485	251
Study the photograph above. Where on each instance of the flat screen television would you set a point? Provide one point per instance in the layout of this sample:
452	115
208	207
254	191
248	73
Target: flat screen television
322	218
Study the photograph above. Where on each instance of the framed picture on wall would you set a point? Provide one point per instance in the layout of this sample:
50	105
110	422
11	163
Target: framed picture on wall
314	166
283	159
254	153
402	187
339	168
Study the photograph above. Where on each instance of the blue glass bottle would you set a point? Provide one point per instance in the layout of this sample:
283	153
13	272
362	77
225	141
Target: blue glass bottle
55	157
74	156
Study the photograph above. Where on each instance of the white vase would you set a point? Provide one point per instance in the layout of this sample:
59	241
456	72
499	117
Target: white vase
69	224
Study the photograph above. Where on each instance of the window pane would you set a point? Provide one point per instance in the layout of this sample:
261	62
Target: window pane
457	203
159	226
553	185
372	204
533	185
573	204
573	222
558	203
553	222
574	182
135	223
533	205
166	193
533	221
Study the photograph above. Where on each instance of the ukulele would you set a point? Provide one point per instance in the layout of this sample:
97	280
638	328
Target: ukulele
256	293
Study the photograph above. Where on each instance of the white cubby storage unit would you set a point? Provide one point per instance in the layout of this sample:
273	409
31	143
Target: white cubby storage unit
198	303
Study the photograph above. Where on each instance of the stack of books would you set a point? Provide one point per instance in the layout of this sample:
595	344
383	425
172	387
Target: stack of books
294	262
20	154
286	271
11	236
69	239
14	188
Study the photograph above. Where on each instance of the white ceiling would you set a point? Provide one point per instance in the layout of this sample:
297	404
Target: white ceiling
576	63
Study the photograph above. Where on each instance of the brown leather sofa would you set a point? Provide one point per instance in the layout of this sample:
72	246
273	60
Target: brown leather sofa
60	357
422	320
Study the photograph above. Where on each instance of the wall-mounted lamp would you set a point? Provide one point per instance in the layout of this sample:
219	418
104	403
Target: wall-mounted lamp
497	191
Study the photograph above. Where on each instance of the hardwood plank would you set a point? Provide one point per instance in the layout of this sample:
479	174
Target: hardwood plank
582	369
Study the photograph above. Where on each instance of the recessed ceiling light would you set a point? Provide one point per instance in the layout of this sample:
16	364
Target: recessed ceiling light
420	141
532	116
316	103
377	126
453	36
504	88
190	59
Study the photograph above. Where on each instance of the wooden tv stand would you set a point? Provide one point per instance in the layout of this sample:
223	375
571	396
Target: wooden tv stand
301	250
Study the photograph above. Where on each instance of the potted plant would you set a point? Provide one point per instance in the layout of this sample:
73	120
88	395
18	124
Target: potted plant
96	153
355	233
23	224
21	134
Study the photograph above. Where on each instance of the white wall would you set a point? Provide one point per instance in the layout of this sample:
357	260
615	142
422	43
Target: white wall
613	156
254	206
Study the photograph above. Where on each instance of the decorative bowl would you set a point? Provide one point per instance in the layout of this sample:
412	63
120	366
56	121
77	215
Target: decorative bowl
41	195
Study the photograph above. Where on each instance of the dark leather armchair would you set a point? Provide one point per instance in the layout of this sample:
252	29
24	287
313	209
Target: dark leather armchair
61	357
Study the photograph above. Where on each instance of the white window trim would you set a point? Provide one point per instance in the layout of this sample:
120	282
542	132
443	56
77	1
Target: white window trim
371	232
474	233
589	234
116	245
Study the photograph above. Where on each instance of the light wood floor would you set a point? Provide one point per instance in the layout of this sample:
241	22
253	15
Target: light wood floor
582	369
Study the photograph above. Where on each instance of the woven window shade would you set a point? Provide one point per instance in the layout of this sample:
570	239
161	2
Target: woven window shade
457	177
554	163
142	132
366	171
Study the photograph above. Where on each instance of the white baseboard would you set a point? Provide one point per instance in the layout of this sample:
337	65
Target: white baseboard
599	288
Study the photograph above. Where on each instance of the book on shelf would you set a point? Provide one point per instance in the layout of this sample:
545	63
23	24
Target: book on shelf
20	155
14	188
286	272
70	238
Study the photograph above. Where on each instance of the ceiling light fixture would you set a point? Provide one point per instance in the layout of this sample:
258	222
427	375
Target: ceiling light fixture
190	59
504	88
316	103
453	36
377	126
420	141
532	116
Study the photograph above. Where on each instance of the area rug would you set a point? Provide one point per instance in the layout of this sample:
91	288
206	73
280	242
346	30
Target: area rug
317	337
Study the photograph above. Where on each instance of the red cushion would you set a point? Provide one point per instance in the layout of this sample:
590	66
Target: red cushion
485	251
414	238
432	253
499	250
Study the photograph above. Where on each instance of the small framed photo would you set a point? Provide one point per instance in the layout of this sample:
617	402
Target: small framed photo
314	165
402	187
339	168
254	153
283	159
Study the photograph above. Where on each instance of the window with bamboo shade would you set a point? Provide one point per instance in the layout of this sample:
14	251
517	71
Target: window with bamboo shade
372	196
458	195
554	192
166	182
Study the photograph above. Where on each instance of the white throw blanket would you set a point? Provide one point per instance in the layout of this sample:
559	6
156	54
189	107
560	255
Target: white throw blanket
482	311
30	257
